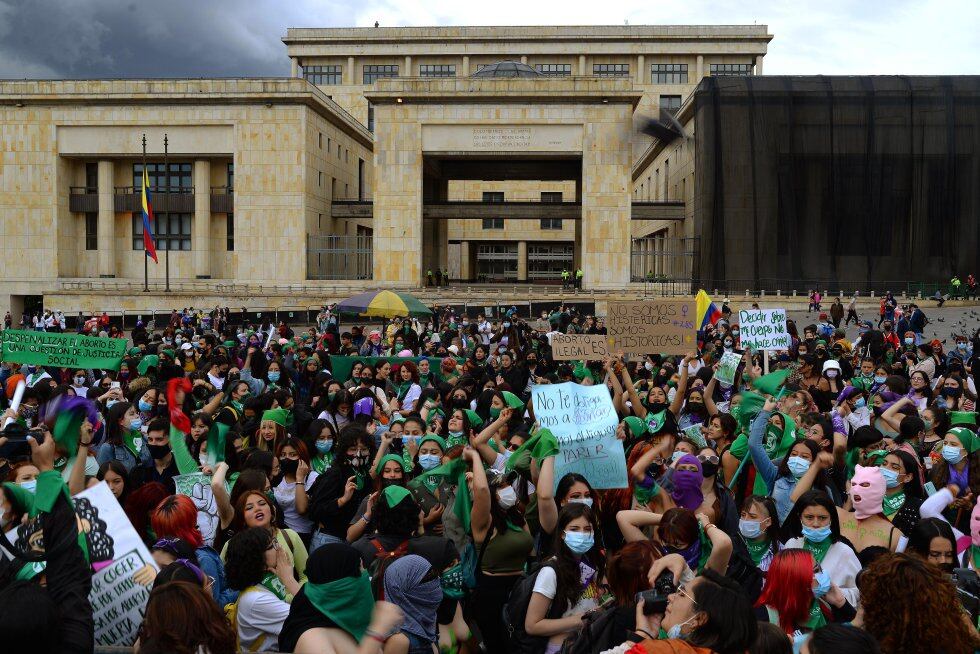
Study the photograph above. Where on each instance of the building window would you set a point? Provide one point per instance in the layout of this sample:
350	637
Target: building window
92	177
668	74
551	197
370	117
437	70
551	223
611	70
338	151
346	155
172	231
323	75
319	140
231	177
372	73
181	180
230	233
92	231
328	145
670	103
554	70
730	70
493	223
319	178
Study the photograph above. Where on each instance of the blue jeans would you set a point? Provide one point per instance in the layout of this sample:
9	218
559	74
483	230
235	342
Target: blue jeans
320	539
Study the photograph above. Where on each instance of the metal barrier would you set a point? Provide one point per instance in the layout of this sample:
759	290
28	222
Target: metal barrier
339	257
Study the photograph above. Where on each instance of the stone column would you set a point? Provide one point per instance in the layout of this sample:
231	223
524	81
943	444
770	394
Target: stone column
524	59
466	66
107	220
201	231
408	66
577	248
700	69
641	74
758	65
293	67
350	72
465	261
606	187
581	65
522	261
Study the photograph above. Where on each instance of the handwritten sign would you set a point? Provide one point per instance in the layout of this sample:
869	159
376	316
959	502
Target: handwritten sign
763	329
652	327
575	347
540	325
584	422
62	350
727	367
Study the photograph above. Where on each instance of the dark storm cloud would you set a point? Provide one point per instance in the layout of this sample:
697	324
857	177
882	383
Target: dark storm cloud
152	38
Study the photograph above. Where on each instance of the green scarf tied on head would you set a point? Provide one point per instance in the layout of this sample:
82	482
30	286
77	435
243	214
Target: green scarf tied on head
475	420
347	601
394	495
147	362
385	459
279	416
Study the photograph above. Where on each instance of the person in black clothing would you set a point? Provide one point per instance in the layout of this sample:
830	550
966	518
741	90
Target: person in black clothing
58	617
163	468
338	492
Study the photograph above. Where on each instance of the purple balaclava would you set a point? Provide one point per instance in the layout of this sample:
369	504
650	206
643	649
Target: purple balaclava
687	484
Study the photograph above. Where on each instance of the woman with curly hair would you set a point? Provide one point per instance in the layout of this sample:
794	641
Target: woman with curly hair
180	618
911	607
258	568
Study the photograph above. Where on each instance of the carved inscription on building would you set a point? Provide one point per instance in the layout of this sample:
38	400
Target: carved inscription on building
501	138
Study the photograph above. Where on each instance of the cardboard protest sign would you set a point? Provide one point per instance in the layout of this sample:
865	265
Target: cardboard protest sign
652	326
763	329
124	569
583	421
579	347
727	367
540	325
62	350
197	486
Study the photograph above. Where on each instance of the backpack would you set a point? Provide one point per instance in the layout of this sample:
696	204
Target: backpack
382	559
231	614
597	634
515	610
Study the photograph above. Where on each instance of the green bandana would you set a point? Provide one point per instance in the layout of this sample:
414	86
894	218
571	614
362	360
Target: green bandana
475	420
757	549
512	400
453	582
892	503
347	601
320	463
271	583
394	495
817	618
438	440
385	459
636	426
975	556
456	438
279	416
133	440
818	550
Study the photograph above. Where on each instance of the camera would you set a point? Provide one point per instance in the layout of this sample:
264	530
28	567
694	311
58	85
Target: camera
201	393
967	590
656	598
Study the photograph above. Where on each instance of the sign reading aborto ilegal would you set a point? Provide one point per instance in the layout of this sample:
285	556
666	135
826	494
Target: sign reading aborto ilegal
652	326
62	350
579	347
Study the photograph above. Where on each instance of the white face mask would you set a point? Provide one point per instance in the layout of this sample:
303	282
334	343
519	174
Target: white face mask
587	501
507	497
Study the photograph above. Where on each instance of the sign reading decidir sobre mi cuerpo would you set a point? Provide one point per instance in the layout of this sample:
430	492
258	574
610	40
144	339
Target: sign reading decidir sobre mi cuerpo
763	329
652	326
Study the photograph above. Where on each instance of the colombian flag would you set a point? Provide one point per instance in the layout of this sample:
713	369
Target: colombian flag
148	244
708	313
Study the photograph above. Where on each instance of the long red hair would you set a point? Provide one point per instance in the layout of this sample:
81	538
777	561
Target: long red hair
176	517
789	587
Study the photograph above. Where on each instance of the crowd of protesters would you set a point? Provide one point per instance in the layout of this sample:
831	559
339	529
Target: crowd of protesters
391	490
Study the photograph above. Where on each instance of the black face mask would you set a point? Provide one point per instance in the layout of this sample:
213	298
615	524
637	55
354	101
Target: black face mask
657	407
460	403
952	392
709	469
695	407
288	466
158	451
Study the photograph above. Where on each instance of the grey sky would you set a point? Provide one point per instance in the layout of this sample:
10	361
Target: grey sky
205	38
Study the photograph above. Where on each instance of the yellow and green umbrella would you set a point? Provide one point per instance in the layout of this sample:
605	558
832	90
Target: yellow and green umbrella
383	304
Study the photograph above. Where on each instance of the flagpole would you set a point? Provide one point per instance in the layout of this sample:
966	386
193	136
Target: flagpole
170	241
146	255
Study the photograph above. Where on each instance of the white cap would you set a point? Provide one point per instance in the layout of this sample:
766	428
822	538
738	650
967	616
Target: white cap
831	364
186	346
454	349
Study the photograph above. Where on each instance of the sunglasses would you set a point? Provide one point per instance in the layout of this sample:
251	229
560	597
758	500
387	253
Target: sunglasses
708	458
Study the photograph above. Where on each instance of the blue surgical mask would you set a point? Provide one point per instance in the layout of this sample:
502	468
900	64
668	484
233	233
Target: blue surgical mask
891	477
145	407
429	461
587	501
816	535
909	341
880	379
674	633
135	424
324	446
579	542
823	584
30	485
798	466
109	403
860	403
749	528
952	454
961	347
273	376
676	455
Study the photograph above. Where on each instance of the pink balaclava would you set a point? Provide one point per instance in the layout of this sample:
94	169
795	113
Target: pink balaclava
975	525
867	491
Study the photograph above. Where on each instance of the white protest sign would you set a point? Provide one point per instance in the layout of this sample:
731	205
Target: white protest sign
119	558
197	486
584	422
763	329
